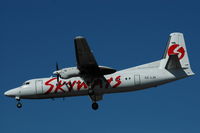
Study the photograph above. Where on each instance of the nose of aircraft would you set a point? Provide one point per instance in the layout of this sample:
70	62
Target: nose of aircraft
10	93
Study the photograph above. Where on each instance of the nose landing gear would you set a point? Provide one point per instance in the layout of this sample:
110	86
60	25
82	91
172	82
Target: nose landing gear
19	105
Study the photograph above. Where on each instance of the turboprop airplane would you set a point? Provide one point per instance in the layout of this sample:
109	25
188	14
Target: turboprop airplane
88	78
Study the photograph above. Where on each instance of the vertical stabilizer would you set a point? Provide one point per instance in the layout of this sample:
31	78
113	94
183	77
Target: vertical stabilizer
176	46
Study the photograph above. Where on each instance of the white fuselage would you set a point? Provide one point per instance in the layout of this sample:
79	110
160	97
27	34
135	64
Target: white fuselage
80	81
121	81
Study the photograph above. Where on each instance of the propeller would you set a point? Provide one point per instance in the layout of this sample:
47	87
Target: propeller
57	73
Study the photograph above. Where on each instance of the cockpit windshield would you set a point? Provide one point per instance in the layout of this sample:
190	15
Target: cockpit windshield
26	83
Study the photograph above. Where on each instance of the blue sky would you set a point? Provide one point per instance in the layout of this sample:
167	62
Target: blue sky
35	34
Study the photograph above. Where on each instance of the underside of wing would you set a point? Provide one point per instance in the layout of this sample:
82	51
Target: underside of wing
86	62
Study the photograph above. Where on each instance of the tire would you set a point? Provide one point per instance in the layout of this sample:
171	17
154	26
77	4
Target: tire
19	105
95	106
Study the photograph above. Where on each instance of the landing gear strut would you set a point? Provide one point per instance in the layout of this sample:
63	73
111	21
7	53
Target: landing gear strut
19	105
92	95
91	92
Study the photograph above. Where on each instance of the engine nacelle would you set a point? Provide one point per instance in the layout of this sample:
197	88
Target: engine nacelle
75	72
69	72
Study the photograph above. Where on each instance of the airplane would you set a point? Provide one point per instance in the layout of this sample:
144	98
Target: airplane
90	79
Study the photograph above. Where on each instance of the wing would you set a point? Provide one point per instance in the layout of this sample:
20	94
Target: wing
86	62
88	66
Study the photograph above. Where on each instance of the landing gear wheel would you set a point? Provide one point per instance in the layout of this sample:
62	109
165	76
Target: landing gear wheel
95	106
19	105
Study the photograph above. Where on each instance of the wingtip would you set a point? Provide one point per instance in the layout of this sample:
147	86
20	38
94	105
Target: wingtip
176	33
79	37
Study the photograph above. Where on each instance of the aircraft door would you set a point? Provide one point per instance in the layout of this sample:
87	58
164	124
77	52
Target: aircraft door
137	80
39	86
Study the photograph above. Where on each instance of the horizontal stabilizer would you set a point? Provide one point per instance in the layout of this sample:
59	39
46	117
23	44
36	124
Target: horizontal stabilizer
173	62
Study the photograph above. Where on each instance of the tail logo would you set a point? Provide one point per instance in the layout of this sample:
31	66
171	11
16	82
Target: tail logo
176	49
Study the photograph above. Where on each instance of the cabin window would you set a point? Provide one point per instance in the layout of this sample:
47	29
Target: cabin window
26	83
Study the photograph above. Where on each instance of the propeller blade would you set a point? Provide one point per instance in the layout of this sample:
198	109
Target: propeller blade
57	68
58	75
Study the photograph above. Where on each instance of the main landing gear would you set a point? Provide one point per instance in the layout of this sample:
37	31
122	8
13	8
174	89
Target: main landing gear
92	95
95	106
19	105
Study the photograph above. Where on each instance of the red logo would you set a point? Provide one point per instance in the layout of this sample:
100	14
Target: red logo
180	51
68	86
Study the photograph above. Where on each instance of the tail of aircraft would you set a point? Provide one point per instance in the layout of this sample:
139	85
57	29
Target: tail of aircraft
176	56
